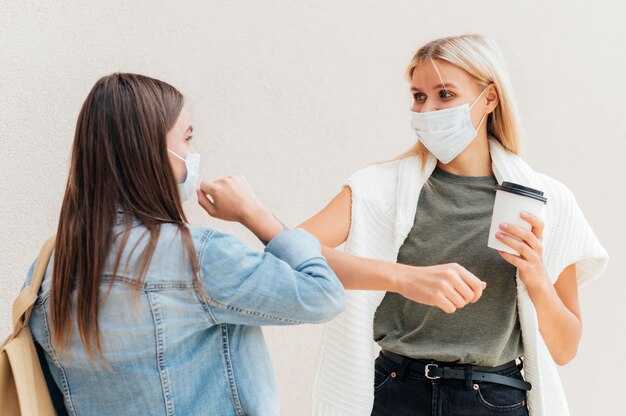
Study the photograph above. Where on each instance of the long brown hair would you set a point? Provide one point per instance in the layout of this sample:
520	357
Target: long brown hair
119	162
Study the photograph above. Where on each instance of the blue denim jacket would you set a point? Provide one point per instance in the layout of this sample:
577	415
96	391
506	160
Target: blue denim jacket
172	353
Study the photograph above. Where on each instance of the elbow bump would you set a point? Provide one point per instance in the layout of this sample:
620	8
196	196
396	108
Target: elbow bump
336	303
340	301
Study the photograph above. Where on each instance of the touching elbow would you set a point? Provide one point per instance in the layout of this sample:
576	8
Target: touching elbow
334	303
339	302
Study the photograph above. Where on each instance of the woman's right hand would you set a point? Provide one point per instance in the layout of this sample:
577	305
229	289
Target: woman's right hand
232	199
446	286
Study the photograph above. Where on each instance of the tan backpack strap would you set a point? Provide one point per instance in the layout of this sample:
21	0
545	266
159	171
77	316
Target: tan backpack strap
23	305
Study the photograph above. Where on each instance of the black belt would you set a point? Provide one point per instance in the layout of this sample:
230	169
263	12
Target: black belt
439	370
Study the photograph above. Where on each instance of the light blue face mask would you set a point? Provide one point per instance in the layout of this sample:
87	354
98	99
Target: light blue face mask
192	163
446	133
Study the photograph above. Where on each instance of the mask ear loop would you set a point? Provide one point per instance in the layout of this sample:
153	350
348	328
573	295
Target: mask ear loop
177	155
443	83
479	95
484	115
481	122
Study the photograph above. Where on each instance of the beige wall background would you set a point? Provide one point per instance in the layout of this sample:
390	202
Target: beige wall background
296	95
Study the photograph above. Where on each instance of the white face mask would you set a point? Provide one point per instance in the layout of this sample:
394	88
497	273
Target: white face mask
446	133
192	163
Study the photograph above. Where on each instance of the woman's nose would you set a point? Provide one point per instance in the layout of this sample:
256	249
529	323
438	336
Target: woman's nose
427	105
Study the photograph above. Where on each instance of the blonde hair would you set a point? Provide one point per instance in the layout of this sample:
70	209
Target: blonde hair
480	57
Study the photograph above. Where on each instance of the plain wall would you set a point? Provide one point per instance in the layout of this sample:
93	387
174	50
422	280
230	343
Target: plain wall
296	95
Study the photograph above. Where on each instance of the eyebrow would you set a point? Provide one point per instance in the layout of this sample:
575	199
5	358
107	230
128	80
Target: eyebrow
447	86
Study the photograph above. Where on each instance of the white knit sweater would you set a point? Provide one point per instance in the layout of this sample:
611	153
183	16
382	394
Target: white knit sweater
384	201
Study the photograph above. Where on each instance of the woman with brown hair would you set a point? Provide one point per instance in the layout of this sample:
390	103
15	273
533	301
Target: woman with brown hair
141	313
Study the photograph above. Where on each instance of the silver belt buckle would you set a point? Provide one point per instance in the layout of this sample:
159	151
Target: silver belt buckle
427	371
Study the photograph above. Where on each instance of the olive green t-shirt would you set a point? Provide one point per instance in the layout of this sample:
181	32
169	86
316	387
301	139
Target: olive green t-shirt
452	226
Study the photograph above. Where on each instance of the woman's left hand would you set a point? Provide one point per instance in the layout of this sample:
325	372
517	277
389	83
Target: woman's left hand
530	261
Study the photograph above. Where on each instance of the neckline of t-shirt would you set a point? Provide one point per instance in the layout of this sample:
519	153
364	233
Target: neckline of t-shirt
444	174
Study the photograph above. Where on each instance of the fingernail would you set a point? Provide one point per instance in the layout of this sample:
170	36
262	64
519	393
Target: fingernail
524	215
504	225
484	285
499	235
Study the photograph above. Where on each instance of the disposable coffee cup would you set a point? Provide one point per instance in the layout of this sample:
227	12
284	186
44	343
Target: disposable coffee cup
511	200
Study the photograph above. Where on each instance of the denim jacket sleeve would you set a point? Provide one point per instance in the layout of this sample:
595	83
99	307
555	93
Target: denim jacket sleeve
289	283
29	275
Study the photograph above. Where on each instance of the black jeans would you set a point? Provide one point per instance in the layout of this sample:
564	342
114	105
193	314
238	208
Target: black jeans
404	392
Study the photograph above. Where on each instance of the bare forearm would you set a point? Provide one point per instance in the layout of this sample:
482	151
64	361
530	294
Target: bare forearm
357	273
446	286
560	328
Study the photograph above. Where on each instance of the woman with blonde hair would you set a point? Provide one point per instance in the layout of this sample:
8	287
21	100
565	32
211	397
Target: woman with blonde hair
449	350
